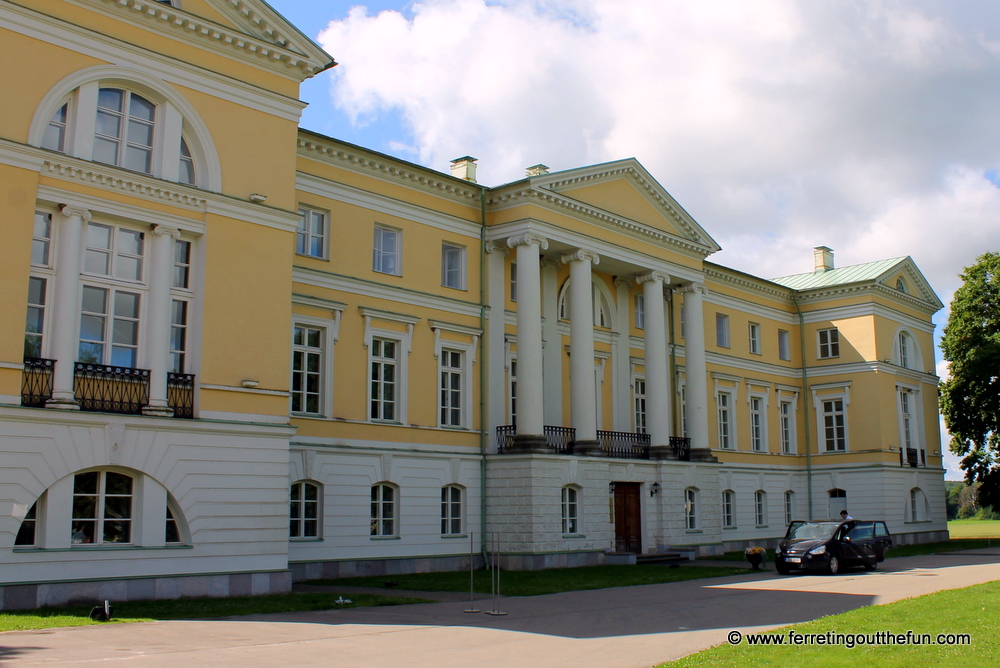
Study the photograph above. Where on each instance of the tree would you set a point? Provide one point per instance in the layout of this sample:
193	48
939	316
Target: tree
970	398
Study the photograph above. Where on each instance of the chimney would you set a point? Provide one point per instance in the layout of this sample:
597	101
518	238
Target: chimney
464	168
536	170
823	258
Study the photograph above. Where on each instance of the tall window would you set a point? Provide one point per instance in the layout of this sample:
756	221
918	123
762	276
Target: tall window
124	130
570	511
915	499
754	334
639	396
109	327
721	330
385	258
691	508
114	252
35	326
451	510
787	428
906	419
182	264
171	530
311	238
41	239
513	281
789	506
829	343
26	532
102	508
904	350
834	432
451	388
307	369
757	424
784	345
384	367
55	133
453	266
684	420
640	312
303	511
512	392
178	335
728	520
186	174
724	403
383	510
760	507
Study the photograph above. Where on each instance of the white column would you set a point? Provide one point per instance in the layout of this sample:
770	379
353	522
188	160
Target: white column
529	336
657	369
552	351
621	364
161	269
694	364
66	307
583	393
496	394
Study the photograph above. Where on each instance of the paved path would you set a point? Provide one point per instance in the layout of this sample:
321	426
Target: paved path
627	626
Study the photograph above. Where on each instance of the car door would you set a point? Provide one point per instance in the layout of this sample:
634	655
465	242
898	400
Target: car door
859	541
882	541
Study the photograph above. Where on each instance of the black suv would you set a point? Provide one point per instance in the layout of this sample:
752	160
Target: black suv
831	546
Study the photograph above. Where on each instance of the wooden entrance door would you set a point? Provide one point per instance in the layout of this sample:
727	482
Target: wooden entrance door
628	532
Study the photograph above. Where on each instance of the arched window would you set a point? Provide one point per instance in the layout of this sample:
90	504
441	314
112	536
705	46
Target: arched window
838	502
760	507
603	312
691	508
383	511
102	508
728	506
451	510
26	532
304	510
918	505
789	506
905	351
901	284
570	509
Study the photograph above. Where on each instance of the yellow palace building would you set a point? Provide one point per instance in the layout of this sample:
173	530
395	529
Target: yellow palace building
236	353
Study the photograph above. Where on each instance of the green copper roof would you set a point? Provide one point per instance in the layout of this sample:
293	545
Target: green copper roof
858	273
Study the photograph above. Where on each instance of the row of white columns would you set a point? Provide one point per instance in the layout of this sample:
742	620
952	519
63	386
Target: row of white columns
530	383
66	311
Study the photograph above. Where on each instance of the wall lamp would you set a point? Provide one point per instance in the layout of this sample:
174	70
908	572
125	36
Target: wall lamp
611	488
655	489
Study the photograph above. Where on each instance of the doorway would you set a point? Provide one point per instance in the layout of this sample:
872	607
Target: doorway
628	529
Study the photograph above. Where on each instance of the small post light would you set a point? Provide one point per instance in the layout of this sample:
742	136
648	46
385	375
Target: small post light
655	489
611	488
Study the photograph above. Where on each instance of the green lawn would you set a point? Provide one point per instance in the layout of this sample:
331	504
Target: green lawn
974	528
189	608
968	610
534	583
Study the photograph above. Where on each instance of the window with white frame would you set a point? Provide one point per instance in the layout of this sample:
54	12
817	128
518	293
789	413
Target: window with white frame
916	505
451	388
691	508
384	383
570	510
102	508
179	306
451	510
787	417
171	528
728	506
639	401
34	329
453	266
640	311
383	511
784	345
683	325
907	435
683	403
758	426
602	307
789	506
829	343
312	233
114	252
386	252
513	281
182	264
55	132
124	130
26	533
41	239
109	327
724	404
512	389
186	173
307	369
760	507
904	343
754	338
834	425
303	510
722	330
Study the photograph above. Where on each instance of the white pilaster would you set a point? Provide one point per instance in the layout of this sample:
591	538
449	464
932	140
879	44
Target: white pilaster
161	268
657	370
496	410
529	334
583	397
695	370
66	307
552	352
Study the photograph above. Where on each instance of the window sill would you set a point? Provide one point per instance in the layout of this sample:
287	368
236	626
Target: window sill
452	428
572	536
308	416
452	287
306	539
102	548
386	273
453	536
696	530
313	257
383	537
730	528
760	526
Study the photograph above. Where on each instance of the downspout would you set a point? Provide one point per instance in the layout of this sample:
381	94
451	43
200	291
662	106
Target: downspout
672	367
805	403
482	373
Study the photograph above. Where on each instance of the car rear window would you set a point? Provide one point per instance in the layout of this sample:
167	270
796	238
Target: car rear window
880	529
862	531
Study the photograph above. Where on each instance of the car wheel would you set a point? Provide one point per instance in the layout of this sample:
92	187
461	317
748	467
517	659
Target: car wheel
782	570
834	566
871	566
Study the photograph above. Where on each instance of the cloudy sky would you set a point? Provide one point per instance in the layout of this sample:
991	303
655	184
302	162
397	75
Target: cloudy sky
867	126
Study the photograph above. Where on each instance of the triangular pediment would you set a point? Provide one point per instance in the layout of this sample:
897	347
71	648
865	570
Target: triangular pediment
625	189
905	277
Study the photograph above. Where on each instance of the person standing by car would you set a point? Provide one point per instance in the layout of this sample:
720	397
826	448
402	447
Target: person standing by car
844	516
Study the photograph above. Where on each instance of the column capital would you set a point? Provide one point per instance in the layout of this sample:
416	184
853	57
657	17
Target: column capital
692	288
69	211
623	282
660	276
165	231
528	239
579	255
497	247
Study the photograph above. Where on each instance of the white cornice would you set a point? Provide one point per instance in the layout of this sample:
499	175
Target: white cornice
834	292
100	205
107	177
750	308
109	50
868	309
258	214
386	205
357	286
745	282
272	53
258	18
361	161
318	302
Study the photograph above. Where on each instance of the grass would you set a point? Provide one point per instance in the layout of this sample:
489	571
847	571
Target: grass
974	528
535	583
968	610
189	608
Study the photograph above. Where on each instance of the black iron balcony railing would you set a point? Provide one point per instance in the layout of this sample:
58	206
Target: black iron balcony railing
36	381
558	439
180	394
110	389
680	447
624	444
